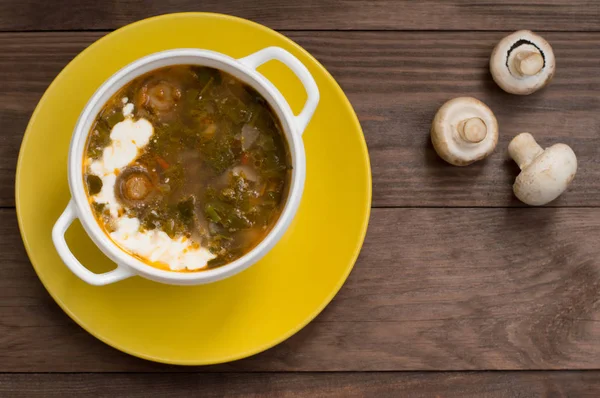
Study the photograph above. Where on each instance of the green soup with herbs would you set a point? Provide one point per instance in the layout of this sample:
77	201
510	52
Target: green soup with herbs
187	168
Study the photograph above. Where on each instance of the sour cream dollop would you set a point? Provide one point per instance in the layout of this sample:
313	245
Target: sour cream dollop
156	246
127	139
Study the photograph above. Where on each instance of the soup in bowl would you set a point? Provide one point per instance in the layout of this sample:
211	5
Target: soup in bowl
186	166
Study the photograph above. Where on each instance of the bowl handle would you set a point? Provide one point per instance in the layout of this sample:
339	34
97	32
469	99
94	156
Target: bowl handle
255	60
58	237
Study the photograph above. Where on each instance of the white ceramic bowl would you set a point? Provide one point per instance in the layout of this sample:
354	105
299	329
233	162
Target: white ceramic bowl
245	70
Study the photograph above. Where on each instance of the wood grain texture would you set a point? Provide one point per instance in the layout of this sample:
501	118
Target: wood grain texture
396	81
434	289
390	384
558	15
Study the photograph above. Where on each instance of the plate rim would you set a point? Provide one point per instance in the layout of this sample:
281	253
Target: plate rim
257	349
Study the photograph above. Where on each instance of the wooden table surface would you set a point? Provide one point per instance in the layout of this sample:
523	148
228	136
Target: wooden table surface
460	290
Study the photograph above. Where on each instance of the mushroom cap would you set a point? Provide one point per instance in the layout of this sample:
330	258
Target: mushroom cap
509	77
547	176
136	186
478	133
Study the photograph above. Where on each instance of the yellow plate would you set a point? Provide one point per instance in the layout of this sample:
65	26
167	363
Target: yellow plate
239	316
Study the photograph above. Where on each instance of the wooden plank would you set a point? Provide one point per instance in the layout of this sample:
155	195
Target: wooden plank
434	289
388	384
563	15
420	71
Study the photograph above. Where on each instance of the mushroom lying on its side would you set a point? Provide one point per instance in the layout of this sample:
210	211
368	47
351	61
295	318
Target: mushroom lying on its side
522	63
463	131
545	173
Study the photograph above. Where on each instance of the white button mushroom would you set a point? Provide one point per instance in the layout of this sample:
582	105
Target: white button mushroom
545	174
522	63
463	131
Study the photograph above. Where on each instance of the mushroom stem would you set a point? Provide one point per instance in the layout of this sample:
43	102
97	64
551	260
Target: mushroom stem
523	149
528	63
472	130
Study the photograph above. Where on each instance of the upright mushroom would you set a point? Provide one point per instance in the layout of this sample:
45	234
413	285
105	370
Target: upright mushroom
463	131
545	173
522	63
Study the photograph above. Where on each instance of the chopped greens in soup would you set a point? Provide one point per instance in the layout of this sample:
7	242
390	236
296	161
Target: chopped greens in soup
187	168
